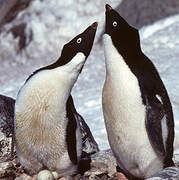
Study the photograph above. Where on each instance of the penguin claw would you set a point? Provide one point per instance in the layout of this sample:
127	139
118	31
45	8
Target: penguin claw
119	176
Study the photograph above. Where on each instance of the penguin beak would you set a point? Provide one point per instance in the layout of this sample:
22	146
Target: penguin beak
108	18
108	8
91	28
94	25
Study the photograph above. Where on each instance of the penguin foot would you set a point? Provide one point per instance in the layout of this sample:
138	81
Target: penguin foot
84	165
119	176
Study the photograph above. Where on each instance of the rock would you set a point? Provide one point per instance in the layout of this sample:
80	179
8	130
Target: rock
19	31
171	173
5	147
5	6
21	56
103	163
103	166
10	8
6	115
140	13
6	127
23	177
10	169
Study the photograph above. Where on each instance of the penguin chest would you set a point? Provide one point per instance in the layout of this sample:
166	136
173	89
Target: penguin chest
123	110
40	116
124	115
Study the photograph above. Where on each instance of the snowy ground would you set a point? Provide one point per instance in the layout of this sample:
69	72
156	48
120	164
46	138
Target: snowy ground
55	24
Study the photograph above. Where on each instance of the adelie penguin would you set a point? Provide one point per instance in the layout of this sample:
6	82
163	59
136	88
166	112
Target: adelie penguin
47	128
136	107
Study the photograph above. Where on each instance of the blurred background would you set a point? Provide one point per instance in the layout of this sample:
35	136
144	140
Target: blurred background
33	32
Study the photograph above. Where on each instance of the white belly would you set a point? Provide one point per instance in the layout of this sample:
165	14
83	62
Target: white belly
41	123
124	116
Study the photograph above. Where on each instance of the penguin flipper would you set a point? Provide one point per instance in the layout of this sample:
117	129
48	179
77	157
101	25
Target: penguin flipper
155	116
89	145
71	131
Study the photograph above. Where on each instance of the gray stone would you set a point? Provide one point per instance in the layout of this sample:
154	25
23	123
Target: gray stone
171	173
6	127
23	177
10	8
140	13
104	164
6	115
5	6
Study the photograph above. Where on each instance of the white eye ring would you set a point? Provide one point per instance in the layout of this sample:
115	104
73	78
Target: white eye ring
114	23
79	40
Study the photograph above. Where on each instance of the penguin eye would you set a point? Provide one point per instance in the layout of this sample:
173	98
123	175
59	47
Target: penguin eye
114	23
79	40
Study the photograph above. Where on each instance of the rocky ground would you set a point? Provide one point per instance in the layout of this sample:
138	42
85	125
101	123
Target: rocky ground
33	38
103	166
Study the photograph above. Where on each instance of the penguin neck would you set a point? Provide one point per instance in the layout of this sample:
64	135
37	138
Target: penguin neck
112	57
56	83
62	60
66	69
68	73
116	61
58	78
74	66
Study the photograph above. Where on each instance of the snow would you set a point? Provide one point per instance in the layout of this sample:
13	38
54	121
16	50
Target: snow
54	23
146	32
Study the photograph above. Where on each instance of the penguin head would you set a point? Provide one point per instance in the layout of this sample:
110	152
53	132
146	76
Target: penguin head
74	53
124	37
82	43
